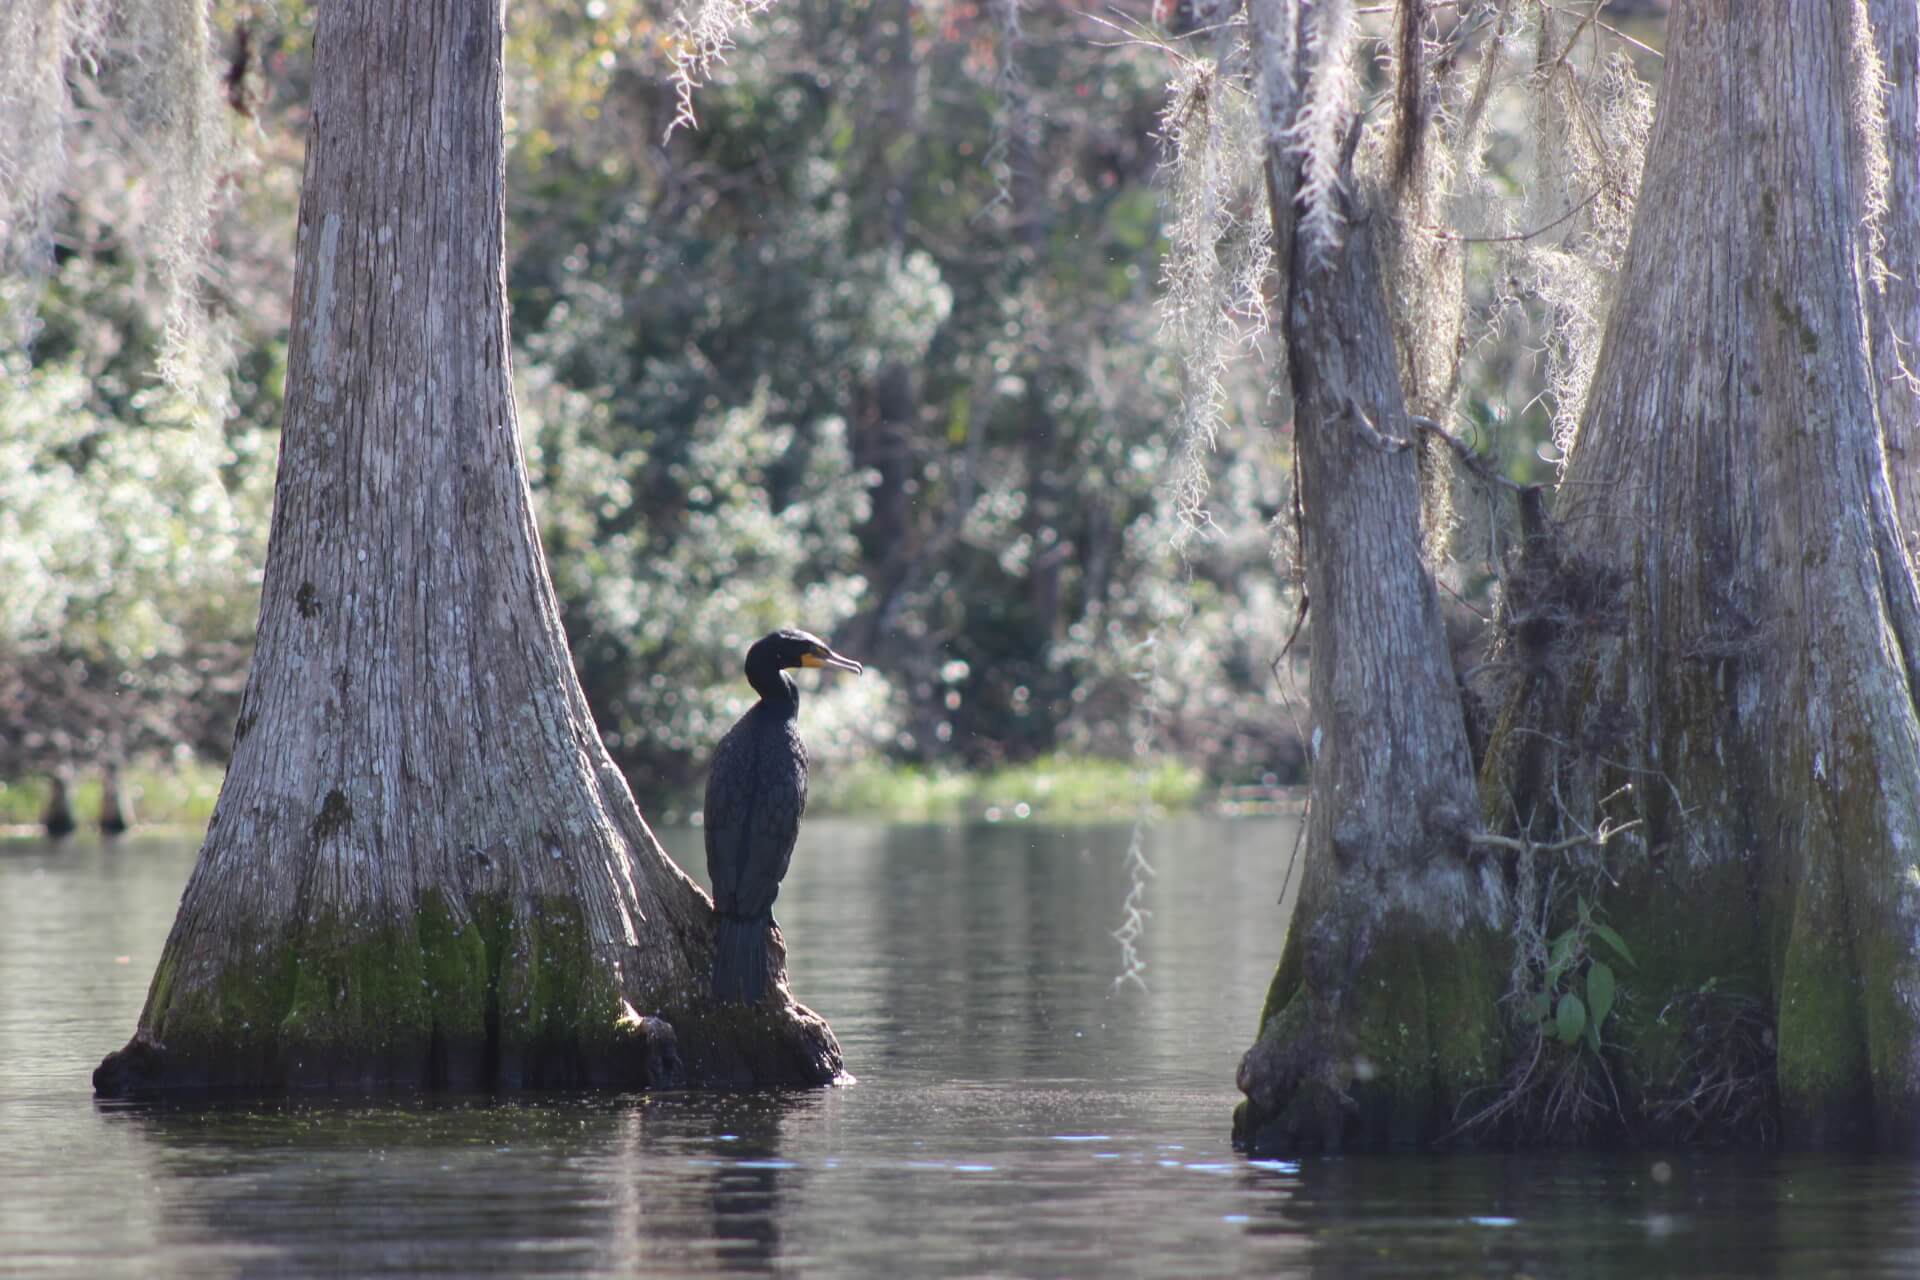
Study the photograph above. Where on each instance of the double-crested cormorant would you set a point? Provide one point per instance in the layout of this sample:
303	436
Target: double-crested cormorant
756	792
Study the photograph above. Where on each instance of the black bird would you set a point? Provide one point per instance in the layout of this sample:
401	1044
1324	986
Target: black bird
756	792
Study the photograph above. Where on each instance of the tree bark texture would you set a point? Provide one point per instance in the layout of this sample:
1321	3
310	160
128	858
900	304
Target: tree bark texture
1730	615
1382	1013
423	868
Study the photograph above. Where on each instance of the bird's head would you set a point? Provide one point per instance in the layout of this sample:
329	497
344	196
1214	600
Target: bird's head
788	648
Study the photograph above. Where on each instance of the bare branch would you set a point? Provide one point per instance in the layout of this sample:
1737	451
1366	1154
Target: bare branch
1598	839
1518	237
1476	462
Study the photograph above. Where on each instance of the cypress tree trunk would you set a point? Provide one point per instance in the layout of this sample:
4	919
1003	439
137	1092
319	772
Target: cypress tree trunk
1738	626
1382	1013
56	818
116	805
423	868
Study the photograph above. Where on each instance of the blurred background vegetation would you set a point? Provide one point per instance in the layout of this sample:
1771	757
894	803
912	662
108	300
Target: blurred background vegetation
873	350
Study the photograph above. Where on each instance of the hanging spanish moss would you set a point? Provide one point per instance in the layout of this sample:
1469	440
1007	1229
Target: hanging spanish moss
1213	308
1219	250
41	47
1012	115
1867	93
1590	116
704	32
155	61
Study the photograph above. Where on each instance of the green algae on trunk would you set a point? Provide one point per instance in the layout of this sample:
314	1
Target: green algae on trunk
1419	1038
484	1000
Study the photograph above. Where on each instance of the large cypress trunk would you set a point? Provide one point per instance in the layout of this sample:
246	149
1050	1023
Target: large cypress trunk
1382	1013
1744	650
423	868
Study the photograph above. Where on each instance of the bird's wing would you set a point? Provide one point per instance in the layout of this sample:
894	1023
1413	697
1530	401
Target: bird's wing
727	819
799	806
774	826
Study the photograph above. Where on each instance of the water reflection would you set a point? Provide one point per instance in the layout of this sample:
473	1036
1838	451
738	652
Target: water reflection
920	940
667	1184
746	1183
1697	1213
310	1187
1016	1115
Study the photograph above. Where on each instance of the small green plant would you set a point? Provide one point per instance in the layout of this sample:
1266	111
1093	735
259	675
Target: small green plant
1558	1007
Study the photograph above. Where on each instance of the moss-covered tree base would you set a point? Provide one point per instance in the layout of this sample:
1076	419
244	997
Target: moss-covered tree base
488	999
1417	1035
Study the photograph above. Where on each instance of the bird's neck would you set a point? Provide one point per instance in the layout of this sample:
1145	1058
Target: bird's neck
776	690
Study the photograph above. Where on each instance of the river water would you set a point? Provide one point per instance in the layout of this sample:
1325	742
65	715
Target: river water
1015	1114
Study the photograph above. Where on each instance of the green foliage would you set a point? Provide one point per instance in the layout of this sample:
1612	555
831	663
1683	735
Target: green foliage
131	536
1572	967
664	597
1607	935
1569	1018
821	361
118	538
1601	986
973	389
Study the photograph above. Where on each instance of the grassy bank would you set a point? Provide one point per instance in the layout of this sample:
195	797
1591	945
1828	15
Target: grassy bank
1056	788
1052	787
173	795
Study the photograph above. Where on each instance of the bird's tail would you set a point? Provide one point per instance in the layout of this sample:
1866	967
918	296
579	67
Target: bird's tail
740	959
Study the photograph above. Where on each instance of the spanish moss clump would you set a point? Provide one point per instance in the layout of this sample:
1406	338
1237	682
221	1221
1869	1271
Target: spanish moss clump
1012	117
1214	276
1868	92
1319	131
1591	116
704	32
1410	159
1213	306
175	101
153	62
40	45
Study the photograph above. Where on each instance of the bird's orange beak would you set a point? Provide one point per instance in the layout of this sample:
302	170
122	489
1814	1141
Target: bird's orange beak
828	658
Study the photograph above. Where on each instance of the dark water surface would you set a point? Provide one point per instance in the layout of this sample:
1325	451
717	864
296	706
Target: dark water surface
1013	1116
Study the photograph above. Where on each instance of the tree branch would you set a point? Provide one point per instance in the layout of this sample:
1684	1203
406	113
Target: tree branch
1597	839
